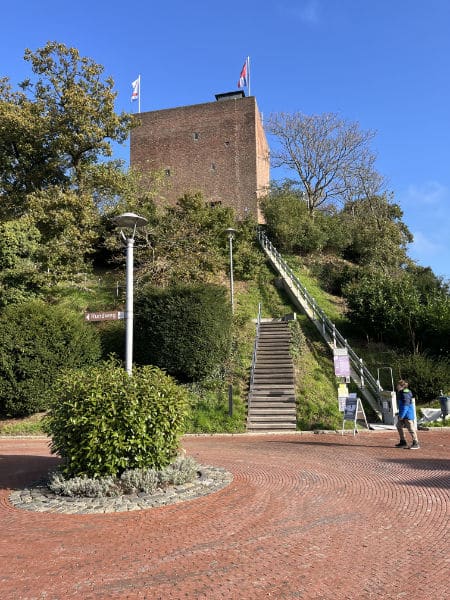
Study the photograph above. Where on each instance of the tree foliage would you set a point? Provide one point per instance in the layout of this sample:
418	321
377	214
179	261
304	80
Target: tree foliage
56	138
188	243
375	232
330	156
20	276
394	309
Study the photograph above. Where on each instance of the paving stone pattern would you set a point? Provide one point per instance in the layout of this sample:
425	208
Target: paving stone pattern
305	516
39	498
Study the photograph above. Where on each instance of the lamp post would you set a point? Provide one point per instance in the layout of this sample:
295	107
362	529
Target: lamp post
129	221
231	233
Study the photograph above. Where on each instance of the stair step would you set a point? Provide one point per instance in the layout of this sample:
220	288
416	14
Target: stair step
275	390
271	421
276	427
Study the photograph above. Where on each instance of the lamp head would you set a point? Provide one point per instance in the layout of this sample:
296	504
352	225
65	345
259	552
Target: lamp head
230	232
130	219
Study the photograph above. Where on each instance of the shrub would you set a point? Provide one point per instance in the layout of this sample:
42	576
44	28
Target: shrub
132	481
102	421
112	337
180	471
83	486
37	341
185	330
425	375
139	480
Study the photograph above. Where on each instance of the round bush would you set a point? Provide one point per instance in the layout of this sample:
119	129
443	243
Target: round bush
37	341
103	422
185	330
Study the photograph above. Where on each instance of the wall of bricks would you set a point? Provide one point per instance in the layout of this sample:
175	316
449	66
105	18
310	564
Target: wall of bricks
218	148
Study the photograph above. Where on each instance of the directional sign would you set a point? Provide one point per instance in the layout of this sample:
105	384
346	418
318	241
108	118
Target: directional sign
106	315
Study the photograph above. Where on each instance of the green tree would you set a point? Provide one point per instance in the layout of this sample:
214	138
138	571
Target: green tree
393	308
376	233
56	138
20	278
289	223
188	243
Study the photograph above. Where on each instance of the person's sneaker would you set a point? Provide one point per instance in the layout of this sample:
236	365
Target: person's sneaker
414	446
401	444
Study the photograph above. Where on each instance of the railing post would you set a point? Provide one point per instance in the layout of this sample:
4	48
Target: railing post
361	372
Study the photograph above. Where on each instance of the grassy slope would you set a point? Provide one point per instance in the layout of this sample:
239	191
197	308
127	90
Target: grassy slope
316	388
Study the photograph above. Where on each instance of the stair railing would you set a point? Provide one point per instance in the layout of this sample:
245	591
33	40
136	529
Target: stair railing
255	350
325	326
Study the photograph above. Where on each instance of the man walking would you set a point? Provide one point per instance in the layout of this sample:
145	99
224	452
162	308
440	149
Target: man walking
406	416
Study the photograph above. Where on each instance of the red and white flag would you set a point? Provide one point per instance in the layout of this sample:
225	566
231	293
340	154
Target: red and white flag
136	84
243	77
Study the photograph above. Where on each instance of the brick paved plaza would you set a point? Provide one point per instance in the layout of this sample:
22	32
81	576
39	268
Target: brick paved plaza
306	516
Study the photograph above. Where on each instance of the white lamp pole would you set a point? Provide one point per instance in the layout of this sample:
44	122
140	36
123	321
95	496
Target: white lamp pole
231	232
133	221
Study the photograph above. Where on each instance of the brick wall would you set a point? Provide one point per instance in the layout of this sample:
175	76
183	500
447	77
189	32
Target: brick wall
218	148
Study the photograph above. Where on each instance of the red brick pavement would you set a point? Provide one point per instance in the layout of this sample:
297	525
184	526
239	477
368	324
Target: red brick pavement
306	516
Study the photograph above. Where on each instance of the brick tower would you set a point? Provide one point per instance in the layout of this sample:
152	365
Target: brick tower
218	148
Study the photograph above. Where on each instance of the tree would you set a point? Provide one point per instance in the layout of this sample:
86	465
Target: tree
376	233
187	242
55	141
288	220
20	277
330	156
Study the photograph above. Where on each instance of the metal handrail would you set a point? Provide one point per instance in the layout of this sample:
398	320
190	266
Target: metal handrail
255	350
328	329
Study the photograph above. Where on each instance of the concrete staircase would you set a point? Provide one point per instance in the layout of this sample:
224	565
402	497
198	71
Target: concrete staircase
271	401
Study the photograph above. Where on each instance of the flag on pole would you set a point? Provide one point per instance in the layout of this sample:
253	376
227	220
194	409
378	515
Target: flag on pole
136	84
243	77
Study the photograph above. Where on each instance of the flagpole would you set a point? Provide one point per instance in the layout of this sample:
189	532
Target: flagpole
248	74
139	95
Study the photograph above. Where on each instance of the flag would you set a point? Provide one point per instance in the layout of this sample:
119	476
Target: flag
243	76
136	84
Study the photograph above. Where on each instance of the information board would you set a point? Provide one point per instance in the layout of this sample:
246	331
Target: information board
341	363
353	411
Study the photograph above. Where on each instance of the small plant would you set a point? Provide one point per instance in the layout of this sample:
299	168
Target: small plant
83	486
132	481
139	480
179	472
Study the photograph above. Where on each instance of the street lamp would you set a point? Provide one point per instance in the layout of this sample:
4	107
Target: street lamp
130	221
231	232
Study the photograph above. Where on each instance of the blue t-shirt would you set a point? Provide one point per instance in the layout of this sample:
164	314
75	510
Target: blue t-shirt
405	404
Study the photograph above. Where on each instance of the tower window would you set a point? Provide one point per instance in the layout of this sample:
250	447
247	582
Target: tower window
196	135
167	172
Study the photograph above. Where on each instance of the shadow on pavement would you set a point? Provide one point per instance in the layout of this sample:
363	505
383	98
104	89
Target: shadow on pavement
18	471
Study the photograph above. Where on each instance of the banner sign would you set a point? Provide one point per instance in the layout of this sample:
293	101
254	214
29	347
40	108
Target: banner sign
341	362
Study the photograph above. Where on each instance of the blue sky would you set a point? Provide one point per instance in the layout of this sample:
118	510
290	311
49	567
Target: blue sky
384	64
